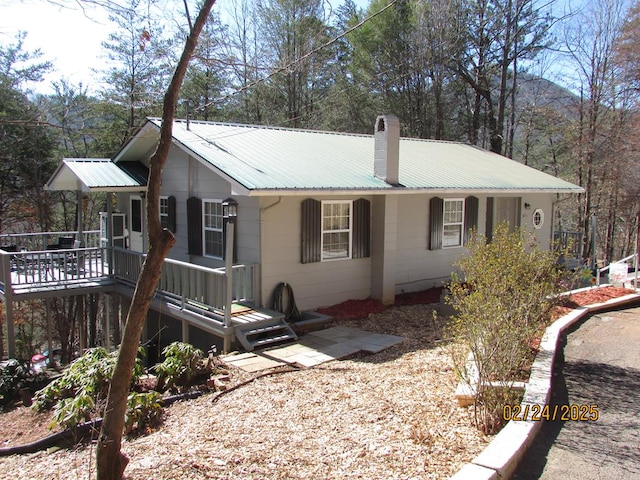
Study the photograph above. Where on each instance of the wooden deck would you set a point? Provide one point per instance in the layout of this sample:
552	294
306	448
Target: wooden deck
31	269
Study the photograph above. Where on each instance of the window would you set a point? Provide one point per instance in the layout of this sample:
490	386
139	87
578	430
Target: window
336	230
538	218
452	223
168	212
212	228
164	211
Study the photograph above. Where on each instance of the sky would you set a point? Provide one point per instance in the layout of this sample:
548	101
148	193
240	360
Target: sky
67	36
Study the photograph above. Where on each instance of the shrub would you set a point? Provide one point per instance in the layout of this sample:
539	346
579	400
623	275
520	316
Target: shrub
182	364
143	410
80	393
503	298
16	375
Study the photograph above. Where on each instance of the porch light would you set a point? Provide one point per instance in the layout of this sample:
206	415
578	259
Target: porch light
229	210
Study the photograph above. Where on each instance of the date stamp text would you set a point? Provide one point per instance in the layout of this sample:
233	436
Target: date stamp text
562	412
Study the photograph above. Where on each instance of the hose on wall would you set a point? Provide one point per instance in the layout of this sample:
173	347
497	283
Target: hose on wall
284	302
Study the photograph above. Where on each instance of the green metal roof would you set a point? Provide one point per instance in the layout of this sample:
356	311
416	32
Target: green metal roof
98	175
268	159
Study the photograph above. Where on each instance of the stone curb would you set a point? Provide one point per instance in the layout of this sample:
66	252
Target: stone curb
500	458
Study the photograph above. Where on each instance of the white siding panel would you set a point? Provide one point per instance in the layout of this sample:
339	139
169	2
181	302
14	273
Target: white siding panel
314	284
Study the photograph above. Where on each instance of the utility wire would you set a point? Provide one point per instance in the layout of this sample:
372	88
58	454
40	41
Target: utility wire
300	59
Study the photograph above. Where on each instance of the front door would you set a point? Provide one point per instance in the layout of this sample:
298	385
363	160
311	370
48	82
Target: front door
136	234
508	210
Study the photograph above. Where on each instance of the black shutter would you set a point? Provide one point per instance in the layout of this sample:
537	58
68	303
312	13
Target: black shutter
311	230
171	217
436	219
470	217
194	226
361	228
488	229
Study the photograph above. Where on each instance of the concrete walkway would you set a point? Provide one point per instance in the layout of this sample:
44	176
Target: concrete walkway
314	348
601	367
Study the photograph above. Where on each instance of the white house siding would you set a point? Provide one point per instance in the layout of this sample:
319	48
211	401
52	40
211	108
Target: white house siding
185	177
420	268
314	284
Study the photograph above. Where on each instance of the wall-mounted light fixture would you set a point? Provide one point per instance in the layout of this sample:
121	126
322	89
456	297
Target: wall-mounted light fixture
229	210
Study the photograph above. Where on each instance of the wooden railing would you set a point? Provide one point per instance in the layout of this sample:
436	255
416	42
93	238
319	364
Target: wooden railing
43	268
25	262
40	241
568	243
190	286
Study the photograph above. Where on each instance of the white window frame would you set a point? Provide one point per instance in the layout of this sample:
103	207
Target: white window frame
163	210
324	256
205	229
446	224
537	218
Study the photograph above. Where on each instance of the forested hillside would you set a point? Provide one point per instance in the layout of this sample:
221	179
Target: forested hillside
552	88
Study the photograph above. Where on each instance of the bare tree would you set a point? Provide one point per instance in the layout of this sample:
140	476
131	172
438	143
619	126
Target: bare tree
111	462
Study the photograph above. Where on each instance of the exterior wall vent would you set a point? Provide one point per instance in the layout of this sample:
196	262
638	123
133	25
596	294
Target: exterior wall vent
387	149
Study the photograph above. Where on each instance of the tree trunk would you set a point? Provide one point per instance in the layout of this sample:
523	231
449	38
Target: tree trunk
111	463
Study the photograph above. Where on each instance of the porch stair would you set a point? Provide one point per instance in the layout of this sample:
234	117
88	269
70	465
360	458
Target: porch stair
262	333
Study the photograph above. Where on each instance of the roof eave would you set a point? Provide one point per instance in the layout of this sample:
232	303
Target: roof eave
293	192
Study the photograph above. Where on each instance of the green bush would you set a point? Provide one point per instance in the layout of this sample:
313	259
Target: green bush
182	364
503	298
16	375
143	410
80	393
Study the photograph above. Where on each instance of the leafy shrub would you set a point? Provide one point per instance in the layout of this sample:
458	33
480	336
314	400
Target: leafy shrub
182	364
502	301
143	410
80	393
16	375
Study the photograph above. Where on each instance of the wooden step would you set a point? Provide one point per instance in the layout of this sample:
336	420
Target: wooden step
266	333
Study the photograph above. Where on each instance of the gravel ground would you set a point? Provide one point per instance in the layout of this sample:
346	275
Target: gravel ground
383	416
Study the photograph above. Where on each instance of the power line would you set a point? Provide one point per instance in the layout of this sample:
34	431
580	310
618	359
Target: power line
300	59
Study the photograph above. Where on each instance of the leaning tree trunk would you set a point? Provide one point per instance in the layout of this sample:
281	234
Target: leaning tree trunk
111	463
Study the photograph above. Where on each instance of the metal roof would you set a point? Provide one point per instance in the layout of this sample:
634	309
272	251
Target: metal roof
97	175
268	159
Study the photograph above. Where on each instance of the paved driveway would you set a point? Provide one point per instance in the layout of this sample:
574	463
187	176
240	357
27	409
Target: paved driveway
601	366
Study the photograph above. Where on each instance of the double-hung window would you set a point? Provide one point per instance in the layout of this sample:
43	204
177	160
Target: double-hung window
212	228
453	222
164	211
336	230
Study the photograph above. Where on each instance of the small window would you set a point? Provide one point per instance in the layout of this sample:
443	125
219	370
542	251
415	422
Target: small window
336	230
164	211
538	218
453	222
212	228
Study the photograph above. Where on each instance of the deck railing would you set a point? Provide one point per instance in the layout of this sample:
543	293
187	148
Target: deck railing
42	240
26	263
46	268
190	286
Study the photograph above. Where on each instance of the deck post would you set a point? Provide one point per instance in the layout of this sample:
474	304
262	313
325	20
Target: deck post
8	304
11	333
229	285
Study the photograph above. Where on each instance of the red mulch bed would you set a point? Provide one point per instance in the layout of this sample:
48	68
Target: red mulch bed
352	309
589	297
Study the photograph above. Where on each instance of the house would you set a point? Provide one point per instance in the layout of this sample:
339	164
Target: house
335	216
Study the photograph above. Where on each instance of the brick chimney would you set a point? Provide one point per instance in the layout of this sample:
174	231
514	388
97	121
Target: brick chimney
387	149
